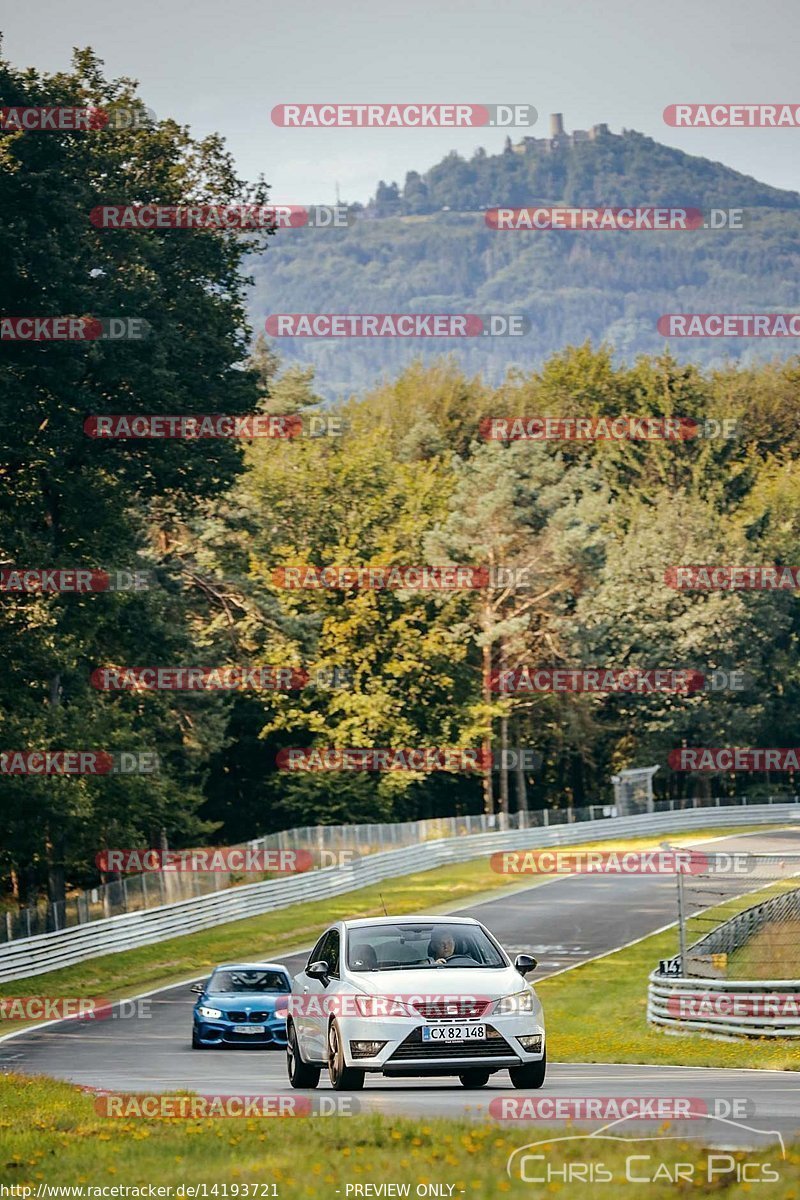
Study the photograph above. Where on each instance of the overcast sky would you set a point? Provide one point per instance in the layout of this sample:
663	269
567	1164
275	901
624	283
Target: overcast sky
222	65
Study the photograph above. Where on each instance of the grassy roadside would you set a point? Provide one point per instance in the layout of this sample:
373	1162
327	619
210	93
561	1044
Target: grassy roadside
52	1134
598	1013
116	976
772	953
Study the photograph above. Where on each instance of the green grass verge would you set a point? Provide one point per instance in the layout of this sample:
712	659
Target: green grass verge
598	1013
51	1134
115	976
772	953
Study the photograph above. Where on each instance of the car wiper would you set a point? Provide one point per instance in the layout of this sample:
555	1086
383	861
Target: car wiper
405	967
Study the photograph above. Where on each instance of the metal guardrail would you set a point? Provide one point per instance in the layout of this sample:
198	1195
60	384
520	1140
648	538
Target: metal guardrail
725	1007
729	1007
51	951
152	889
136	892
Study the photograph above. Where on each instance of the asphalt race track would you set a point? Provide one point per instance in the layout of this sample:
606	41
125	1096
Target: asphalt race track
563	922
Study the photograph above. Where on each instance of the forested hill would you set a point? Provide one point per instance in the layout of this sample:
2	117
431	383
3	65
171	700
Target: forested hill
609	169
425	247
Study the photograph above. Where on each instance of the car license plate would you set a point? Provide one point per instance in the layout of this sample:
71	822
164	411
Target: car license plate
249	1029
453	1033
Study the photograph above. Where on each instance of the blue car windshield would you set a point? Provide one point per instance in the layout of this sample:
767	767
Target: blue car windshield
230	982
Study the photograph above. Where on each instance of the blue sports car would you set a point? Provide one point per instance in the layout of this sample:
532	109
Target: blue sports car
242	1004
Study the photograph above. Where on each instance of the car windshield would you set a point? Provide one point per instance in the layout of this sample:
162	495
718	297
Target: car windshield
229	981
432	944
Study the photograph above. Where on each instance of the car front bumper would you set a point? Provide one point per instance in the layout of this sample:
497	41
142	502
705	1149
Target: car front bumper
405	1053
222	1033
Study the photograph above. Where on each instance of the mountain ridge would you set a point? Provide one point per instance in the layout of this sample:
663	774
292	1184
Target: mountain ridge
426	248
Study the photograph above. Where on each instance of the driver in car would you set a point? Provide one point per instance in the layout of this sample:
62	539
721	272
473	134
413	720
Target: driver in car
442	947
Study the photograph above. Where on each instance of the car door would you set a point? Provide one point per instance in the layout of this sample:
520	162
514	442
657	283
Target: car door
314	991
299	1003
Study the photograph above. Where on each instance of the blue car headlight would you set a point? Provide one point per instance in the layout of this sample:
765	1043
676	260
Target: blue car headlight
208	1014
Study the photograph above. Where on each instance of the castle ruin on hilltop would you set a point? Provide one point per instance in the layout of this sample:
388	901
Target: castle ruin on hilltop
558	137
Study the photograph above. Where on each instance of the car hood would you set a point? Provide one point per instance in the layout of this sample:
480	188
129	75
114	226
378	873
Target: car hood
430	982
262	1002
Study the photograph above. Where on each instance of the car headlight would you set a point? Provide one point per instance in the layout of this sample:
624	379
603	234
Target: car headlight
381	1006
519	1002
209	1014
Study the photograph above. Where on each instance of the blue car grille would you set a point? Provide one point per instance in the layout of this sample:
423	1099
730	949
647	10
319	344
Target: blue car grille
252	1018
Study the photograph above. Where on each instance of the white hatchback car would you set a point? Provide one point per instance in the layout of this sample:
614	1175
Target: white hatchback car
414	996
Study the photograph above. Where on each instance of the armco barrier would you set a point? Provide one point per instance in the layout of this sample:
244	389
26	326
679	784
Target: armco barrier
730	1007
50	951
725	1007
136	891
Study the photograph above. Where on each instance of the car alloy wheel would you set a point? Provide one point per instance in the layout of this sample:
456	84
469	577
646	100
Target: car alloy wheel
301	1074
343	1078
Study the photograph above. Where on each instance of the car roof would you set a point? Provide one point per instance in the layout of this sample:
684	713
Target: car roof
411	919
252	966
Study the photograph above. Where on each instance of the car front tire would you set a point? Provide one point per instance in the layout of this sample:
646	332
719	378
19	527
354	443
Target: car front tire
531	1075
301	1074
343	1078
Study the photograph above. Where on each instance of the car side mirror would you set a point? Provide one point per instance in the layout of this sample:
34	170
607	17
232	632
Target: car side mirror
198	988
525	963
319	970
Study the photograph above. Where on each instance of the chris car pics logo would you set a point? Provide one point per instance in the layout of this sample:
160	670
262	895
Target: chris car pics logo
578	1158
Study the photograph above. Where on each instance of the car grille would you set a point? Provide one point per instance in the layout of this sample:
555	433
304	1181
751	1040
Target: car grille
495	1046
253	1018
442	1010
